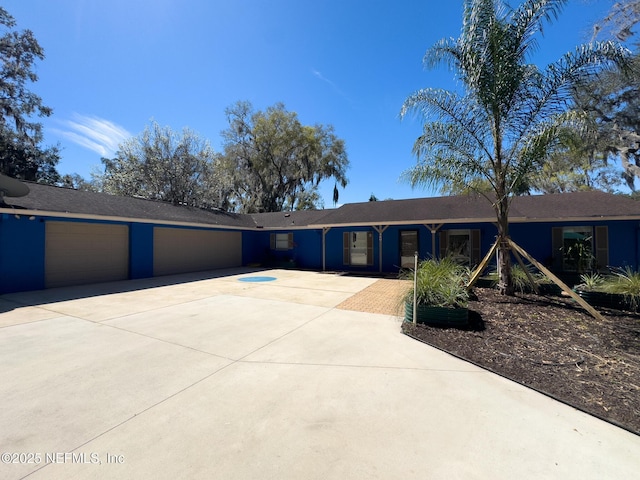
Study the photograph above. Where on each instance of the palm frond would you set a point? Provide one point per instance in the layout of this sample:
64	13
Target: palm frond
449	107
528	20
444	51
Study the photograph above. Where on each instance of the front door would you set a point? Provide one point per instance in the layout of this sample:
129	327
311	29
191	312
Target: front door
408	248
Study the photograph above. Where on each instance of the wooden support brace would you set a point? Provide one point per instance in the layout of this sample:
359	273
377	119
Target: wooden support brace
557	281
526	271
483	264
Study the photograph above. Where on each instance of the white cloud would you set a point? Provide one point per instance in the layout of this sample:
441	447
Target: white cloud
94	133
319	75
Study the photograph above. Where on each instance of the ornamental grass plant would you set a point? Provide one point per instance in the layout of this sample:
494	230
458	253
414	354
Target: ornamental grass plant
439	283
521	281
625	282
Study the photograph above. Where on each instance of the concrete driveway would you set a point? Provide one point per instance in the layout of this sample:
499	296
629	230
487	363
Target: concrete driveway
206	376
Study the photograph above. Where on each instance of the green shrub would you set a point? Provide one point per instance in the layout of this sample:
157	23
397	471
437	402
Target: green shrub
521	282
625	283
440	283
591	282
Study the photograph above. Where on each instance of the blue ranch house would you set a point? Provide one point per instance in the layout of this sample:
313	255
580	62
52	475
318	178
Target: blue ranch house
56	236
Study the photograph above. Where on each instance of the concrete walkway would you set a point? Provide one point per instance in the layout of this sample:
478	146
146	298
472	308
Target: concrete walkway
205	376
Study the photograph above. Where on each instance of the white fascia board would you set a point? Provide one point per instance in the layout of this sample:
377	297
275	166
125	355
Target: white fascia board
108	218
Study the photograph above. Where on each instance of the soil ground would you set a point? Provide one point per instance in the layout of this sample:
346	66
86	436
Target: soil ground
547	343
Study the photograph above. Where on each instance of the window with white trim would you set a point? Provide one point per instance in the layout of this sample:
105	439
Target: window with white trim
580	248
577	249
463	246
281	241
357	248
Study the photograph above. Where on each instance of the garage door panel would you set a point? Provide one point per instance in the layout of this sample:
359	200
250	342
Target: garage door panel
79	253
184	250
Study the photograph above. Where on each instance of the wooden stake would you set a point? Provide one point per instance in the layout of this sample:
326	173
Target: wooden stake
483	264
557	281
526	271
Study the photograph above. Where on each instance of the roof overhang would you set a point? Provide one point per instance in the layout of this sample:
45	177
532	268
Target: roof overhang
449	221
426	221
109	218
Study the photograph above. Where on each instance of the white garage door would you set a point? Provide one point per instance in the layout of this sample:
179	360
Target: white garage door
179	250
77	253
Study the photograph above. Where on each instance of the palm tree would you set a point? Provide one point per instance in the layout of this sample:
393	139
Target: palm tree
503	124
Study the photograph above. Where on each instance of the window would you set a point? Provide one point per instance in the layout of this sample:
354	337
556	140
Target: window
580	249
408	247
357	248
577	249
281	241
463	246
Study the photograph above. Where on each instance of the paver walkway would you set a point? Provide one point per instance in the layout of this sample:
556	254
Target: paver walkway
384	296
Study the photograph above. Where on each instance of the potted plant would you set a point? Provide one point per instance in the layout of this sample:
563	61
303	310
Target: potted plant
625	282
618	291
441	294
592	288
546	286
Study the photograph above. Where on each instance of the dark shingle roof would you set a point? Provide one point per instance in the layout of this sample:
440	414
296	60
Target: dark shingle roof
409	211
298	218
593	204
567	206
46	198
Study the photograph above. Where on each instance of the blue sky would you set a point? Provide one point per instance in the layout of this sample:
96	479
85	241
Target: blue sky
112	66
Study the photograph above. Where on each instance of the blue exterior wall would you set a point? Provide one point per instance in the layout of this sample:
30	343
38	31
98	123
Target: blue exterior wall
22	247
306	252
535	238
22	250
307	249
21	253
334	250
140	250
255	246
624	244
624	238
391	245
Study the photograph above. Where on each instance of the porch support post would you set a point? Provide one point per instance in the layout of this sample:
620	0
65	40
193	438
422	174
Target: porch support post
380	229
325	230
434	229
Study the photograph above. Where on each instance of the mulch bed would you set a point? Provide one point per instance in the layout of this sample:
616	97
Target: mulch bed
552	345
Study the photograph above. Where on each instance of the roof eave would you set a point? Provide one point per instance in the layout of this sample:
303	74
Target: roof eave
111	218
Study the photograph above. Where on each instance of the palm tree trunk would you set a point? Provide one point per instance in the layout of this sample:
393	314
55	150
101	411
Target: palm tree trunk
505	283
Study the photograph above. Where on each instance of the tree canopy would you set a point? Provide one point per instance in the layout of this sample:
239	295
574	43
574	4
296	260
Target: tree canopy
271	162
507	118
603	151
164	165
612	100
620	21
275	163
21	155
